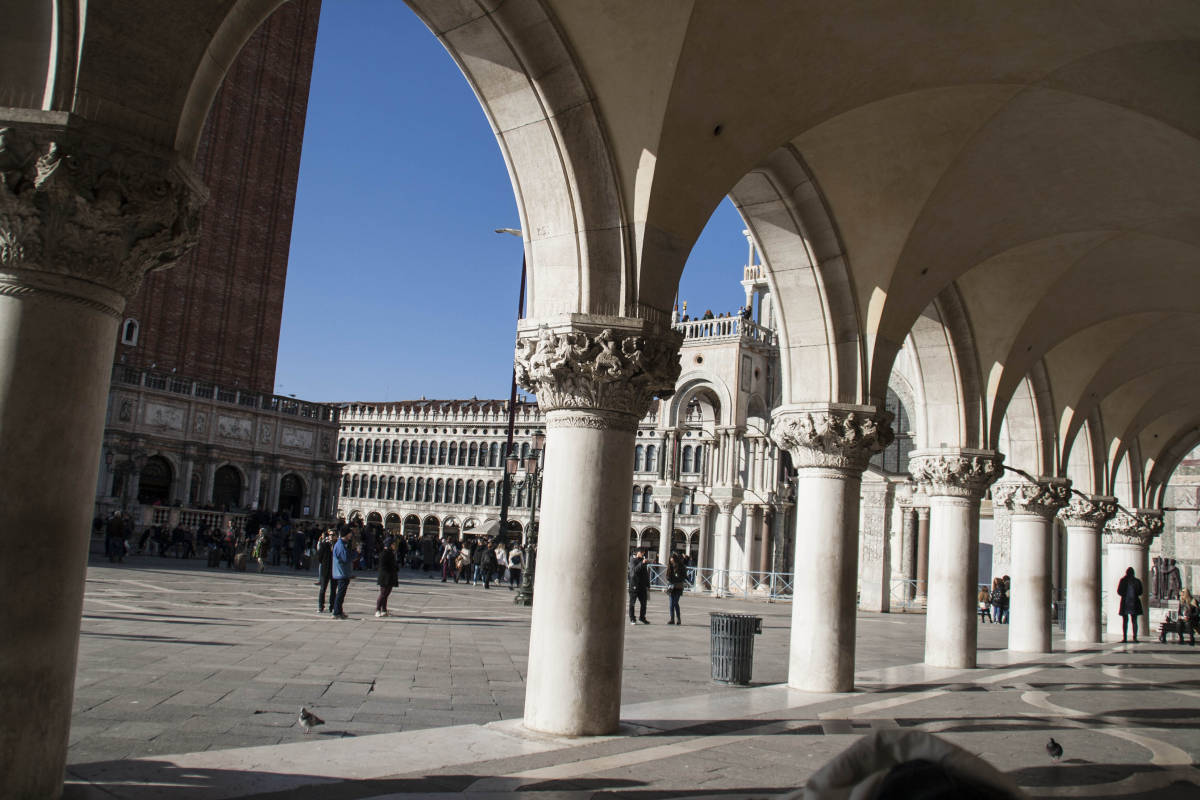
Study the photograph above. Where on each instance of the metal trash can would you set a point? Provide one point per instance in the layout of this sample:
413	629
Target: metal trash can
731	643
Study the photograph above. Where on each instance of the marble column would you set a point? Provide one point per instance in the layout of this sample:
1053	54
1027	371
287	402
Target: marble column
908	550
703	549
1085	518
667	498
1034	505
874	559
1127	537
725	499
922	555
594	378
84	214
764	521
183	492
1001	541
210	480
954	480
830	446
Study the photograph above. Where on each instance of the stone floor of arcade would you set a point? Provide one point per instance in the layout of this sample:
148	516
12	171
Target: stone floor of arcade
190	681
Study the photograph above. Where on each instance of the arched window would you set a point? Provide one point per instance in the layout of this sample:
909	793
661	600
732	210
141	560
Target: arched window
491	493
387	452
367	449
378	451
699	465
471	455
345	486
493	454
441	453
363	485
637	498
647	499
129	332
437	494
374	486
687	459
520	497
638	454
462	454
358	450
524	450
458	491
424	452
395	450
429	490
404	452
453	457
469	497
341	449
651	459
420	489
391	493
354	487
408	490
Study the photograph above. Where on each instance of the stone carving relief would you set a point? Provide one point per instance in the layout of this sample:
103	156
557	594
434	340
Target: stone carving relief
264	432
832	438
1040	498
75	203
956	474
125	414
237	428
161	415
1136	528
296	438
604	371
1090	512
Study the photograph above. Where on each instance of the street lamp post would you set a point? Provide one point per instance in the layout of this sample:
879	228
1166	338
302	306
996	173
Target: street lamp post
512	407
532	480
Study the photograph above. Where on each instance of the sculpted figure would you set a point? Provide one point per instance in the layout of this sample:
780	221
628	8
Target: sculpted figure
607	361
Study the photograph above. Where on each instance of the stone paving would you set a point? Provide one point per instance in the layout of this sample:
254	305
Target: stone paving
177	659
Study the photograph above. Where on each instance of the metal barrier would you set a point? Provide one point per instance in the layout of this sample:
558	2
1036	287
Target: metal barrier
729	583
903	596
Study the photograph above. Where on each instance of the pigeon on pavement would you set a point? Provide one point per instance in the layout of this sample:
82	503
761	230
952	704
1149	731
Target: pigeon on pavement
1054	749
309	720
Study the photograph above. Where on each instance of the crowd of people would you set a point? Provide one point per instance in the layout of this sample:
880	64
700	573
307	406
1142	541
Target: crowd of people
993	603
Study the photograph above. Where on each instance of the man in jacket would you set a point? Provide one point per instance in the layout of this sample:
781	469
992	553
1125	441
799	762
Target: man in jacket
639	586
325	570
1129	589
342	560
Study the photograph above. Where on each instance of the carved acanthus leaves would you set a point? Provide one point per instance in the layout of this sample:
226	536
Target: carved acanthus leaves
1088	512
1135	528
1041	498
602	370
77	204
835	437
956	473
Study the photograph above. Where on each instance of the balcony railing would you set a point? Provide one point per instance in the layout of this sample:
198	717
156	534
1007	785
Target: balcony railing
727	328
131	376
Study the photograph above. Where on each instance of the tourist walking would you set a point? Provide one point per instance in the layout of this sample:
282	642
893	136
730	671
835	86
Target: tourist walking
1129	589
501	563
449	554
260	550
389	576
477	564
342	569
639	586
325	570
985	605
676	581
997	595
489	564
516	562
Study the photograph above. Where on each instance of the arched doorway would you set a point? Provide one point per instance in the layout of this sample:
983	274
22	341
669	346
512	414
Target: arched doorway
431	527
451	529
154	484
412	526
392	521
227	488
291	494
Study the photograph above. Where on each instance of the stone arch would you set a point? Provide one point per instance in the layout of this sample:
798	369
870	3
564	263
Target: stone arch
156	480
292	492
412	525
229	485
716	404
431	526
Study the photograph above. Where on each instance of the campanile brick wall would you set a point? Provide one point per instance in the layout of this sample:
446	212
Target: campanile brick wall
215	316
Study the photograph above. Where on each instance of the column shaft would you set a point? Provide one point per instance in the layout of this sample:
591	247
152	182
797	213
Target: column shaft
922	554
722	545
763	525
950	619
1083	584
1120	557
1029	628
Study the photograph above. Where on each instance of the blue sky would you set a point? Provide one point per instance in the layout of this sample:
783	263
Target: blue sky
397	285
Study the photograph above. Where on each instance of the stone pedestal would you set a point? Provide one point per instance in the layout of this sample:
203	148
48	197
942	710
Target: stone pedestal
1033	505
1085	518
830	446
955	480
594	378
1127	537
82	219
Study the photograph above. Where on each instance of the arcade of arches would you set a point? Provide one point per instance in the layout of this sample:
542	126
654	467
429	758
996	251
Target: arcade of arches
993	214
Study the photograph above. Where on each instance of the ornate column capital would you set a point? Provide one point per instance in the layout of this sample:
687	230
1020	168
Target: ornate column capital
955	472
1088	512
832	436
1135	527
604	369
84	215
1041	498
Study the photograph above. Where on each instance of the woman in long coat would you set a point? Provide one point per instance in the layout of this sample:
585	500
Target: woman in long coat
1130	592
389	577
676	580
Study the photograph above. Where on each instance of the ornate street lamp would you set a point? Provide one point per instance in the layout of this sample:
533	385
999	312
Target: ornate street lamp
532	480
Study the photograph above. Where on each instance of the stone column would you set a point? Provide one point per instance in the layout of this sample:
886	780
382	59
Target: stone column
908	549
594	378
1085	518
874	559
183	492
1128	536
274	475
1033	505
830	446
726	499
1001	541
922	553
667	498
83	216
955	480
702	544
210	478
765	526
252	499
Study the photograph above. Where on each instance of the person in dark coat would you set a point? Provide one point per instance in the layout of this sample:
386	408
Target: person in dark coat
325	570
639	585
489	564
1130	592
676	581
389	577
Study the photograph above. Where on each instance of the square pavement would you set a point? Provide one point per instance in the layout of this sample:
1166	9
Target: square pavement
190	680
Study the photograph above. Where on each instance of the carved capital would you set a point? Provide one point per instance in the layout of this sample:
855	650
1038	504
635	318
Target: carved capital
1134	528
79	204
955	472
610	367
1088	512
837	437
1040	498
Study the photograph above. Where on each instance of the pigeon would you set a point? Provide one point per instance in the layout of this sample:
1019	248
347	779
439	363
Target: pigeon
309	720
1054	749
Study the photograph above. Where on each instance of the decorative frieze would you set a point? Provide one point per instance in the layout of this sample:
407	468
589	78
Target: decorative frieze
955	472
1133	528
610	372
833	437
76	204
1088	512
1041	498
